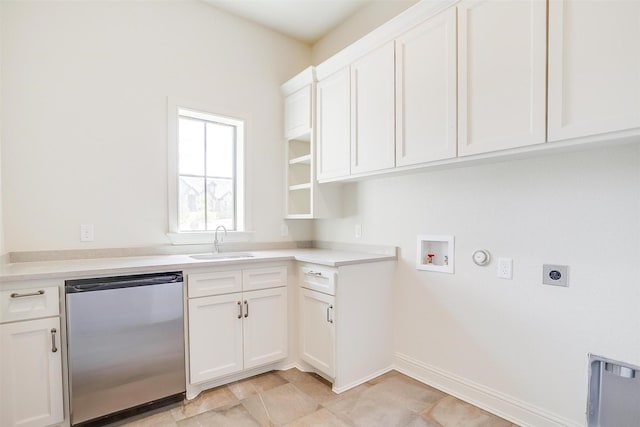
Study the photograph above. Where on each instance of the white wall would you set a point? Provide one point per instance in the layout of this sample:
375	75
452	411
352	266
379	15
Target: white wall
2	250
516	337
84	95
2	246
366	19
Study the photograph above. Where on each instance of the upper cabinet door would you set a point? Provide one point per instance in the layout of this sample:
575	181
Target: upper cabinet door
502	74
333	126
297	113
594	67
372	111
426	91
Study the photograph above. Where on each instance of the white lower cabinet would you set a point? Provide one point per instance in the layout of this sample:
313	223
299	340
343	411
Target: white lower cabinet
30	360
233	332
345	321
317	340
215	336
265	326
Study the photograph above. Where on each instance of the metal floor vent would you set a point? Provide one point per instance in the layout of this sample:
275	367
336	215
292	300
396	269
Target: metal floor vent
614	393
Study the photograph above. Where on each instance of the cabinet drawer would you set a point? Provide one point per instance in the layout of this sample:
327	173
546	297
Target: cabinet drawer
29	303
318	279
263	278
214	283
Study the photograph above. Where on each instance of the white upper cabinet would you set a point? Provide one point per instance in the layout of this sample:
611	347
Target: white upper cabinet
501	74
594	67
426	91
297	113
372	111
334	126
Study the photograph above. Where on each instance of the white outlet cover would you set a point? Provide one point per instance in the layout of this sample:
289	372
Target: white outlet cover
505	268
86	232
357	231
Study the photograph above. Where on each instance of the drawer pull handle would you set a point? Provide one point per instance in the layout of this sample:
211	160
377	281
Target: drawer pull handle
314	273
32	294
53	340
330	320
239	310
246	305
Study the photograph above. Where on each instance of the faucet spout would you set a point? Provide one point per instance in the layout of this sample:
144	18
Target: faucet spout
216	242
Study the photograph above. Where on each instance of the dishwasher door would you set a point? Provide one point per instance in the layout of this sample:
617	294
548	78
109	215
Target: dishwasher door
126	343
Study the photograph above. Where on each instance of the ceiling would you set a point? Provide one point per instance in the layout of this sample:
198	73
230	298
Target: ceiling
304	20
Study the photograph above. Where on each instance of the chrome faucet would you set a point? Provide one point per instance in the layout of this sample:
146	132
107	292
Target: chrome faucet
216	242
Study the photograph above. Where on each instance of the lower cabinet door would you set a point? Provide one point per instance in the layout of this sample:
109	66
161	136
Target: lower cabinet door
265	326
215	336
30	373
317	330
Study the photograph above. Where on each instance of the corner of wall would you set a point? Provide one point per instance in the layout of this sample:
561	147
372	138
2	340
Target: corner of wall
363	21
2	247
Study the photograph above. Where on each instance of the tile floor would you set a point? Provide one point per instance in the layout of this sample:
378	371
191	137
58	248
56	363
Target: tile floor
298	399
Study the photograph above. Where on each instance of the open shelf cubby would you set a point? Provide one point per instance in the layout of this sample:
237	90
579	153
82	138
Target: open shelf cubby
441	249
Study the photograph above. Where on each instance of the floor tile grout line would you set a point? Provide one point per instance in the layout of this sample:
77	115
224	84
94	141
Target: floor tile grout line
266	411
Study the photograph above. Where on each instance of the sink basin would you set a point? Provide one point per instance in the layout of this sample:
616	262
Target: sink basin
221	256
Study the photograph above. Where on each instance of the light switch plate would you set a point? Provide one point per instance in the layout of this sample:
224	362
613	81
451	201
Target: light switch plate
86	232
555	275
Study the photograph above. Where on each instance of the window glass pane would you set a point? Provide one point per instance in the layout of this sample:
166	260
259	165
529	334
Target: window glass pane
191	204
190	147
220	150
220	203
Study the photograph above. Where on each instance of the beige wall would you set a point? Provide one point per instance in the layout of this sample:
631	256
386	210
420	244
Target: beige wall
353	28
2	246
84	95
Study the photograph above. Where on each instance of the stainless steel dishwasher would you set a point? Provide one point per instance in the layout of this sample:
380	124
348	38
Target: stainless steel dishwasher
126	345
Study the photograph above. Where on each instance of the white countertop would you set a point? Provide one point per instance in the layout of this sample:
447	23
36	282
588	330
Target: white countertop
69	269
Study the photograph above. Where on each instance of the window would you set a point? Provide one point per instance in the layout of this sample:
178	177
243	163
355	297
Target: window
208	171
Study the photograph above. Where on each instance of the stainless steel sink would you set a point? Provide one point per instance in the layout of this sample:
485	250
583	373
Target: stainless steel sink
222	256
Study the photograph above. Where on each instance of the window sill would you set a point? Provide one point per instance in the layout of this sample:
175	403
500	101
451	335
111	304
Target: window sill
206	237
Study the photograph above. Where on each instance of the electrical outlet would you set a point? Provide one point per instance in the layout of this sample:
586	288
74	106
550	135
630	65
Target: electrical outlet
505	268
284	230
556	275
357	231
86	232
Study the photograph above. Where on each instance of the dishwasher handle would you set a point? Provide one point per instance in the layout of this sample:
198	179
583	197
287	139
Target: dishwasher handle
106	283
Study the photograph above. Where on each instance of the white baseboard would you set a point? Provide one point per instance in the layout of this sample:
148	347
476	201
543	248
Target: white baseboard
500	404
343	388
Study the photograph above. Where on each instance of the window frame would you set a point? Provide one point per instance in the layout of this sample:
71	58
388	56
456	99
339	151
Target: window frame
177	108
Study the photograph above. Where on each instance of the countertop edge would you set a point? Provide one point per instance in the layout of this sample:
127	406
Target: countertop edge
72	269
